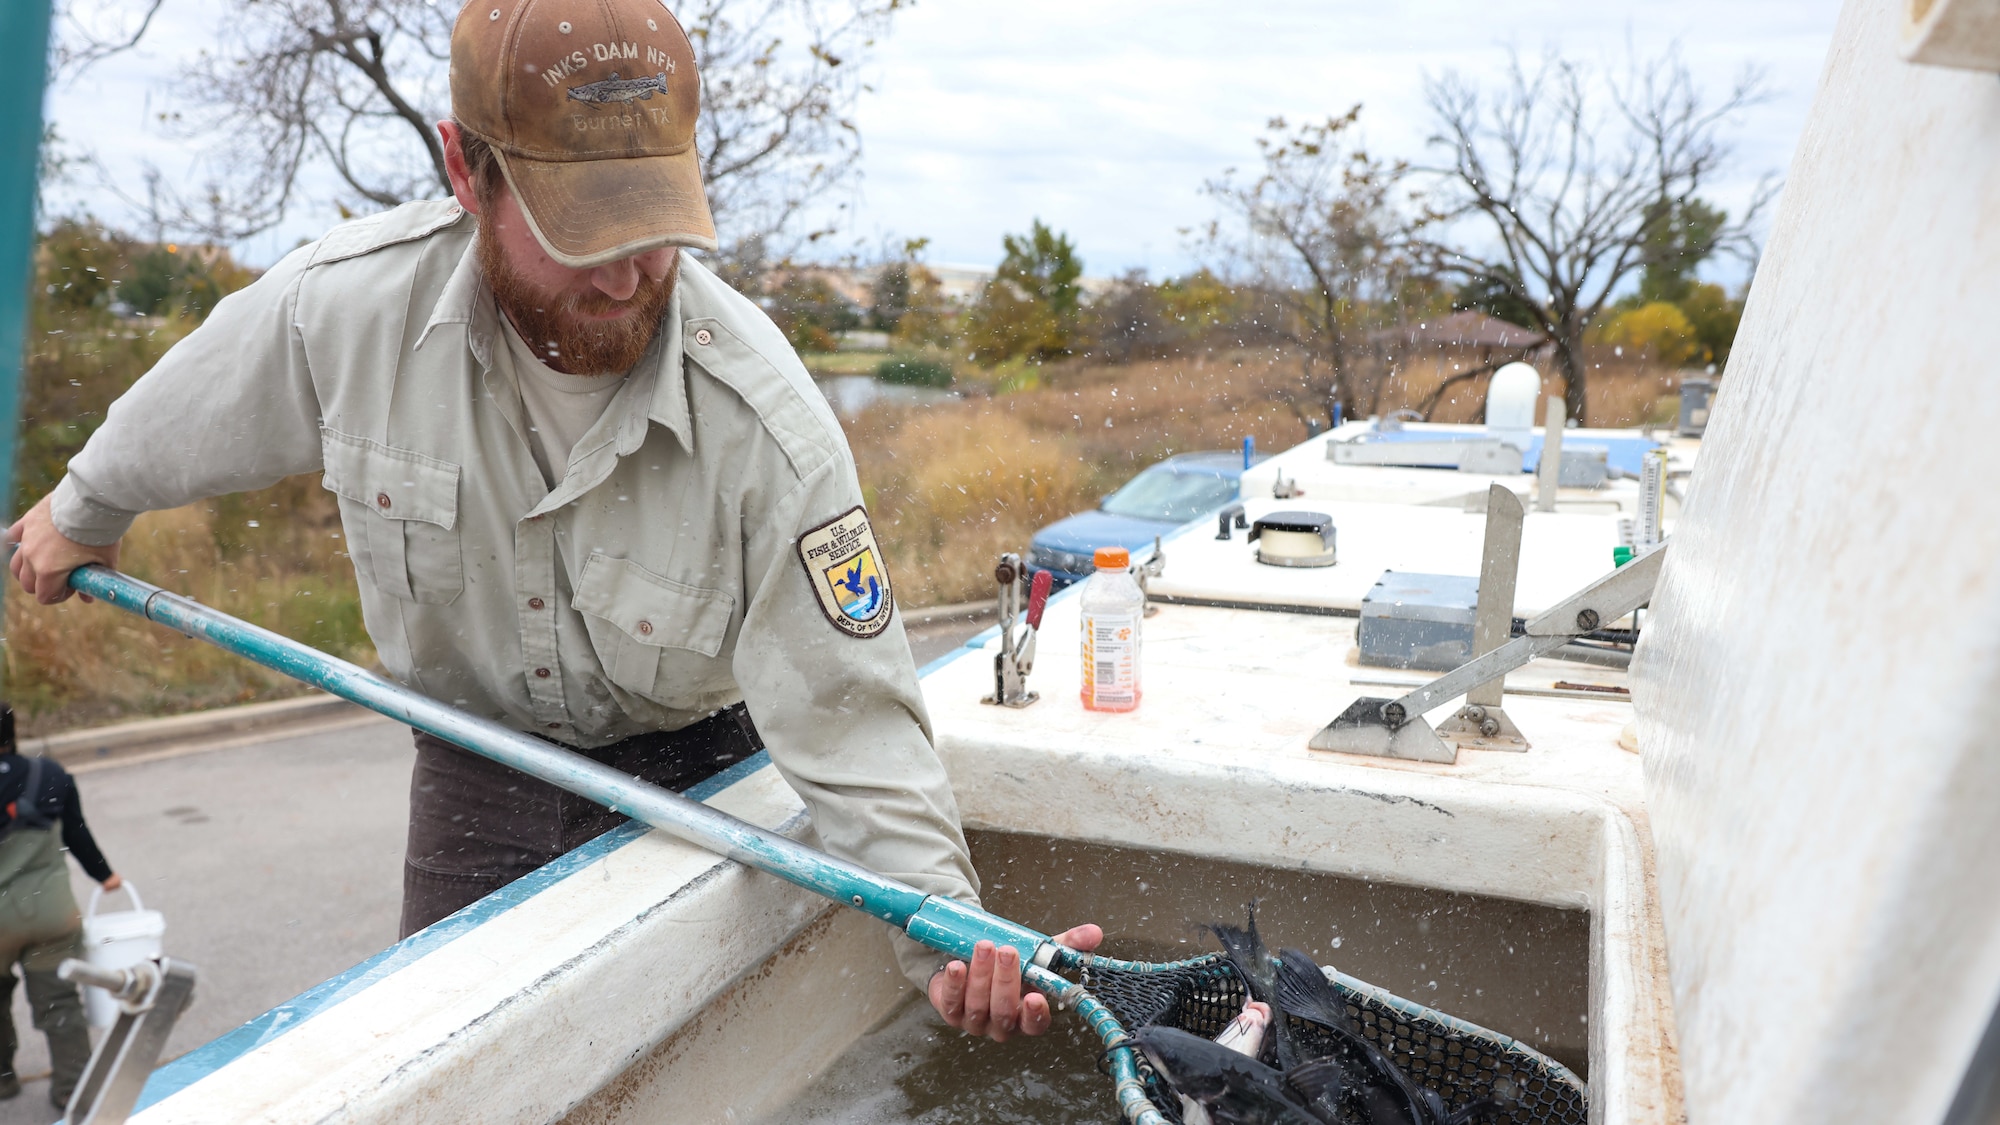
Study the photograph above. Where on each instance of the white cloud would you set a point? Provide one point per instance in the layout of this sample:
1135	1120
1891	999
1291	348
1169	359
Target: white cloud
1103	118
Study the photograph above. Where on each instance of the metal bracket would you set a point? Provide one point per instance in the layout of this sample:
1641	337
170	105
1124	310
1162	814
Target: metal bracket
1548	475
1144	573
1016	657
151	996
1482	723
1395	728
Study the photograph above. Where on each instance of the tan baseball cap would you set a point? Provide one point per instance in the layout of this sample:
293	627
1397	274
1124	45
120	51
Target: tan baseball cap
590	105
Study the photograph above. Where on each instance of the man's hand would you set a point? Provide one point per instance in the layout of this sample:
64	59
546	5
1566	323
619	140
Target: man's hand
116	881
984	998
43	556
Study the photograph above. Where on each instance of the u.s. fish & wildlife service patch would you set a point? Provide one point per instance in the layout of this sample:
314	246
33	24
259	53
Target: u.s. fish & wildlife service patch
845	568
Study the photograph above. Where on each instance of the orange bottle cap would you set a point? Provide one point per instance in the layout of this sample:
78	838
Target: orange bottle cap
1113	558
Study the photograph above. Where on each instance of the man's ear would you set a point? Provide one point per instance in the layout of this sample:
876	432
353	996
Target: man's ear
460	174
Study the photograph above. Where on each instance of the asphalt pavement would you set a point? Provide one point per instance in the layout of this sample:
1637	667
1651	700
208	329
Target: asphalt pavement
277	864
277	861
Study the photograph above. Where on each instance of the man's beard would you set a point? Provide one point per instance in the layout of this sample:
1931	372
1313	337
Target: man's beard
558	330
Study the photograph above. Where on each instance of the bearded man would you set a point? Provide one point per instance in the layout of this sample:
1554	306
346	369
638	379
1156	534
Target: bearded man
588	490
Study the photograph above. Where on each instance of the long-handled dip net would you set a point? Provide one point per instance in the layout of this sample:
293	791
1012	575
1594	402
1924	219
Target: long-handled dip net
1445	1071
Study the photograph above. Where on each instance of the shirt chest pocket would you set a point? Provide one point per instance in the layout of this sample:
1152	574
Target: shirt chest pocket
637	617
400	509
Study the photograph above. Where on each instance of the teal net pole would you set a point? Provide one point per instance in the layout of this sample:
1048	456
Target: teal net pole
24	63
24	58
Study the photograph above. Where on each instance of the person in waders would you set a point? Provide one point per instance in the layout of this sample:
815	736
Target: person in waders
39	922
588	488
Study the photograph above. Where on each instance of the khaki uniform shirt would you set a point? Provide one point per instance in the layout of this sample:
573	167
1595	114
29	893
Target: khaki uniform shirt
705	545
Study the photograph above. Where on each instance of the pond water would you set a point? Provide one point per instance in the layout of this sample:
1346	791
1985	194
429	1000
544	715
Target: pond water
1516	968
852	394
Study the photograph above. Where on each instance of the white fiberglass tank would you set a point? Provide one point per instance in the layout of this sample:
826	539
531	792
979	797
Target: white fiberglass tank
1817	690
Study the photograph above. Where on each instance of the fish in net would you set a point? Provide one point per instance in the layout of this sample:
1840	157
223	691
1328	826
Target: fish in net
1477	1075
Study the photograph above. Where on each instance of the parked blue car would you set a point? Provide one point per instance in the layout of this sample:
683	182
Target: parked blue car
1161	498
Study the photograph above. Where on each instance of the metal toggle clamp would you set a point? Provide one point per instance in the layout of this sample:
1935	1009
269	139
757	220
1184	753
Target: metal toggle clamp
1016	657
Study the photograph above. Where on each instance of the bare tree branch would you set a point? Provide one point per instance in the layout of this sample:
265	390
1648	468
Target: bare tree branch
1567	178
84	47
295	89
1323	225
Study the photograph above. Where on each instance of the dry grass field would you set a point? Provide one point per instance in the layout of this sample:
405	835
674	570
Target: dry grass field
273	558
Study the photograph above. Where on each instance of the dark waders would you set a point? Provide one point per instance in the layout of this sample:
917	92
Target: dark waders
39	926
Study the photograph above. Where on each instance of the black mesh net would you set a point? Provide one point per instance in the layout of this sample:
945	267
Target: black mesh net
1461	1062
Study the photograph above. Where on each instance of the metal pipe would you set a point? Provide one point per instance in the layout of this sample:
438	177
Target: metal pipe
944	925
122	984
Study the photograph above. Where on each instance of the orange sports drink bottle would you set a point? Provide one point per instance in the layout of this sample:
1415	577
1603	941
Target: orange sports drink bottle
1112	607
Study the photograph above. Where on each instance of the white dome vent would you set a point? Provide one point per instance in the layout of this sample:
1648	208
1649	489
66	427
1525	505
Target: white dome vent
1511	399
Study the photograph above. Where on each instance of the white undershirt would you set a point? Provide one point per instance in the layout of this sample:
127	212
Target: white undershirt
560	408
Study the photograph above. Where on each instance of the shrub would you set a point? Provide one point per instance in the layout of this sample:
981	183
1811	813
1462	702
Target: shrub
1659	328
914	371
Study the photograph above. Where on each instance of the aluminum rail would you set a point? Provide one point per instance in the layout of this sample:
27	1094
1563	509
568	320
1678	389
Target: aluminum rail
943	924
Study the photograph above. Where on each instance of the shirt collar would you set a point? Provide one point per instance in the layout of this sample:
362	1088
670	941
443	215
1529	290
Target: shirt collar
670	397
466	300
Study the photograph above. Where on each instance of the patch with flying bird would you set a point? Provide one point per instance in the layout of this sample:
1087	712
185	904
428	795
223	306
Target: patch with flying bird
844	566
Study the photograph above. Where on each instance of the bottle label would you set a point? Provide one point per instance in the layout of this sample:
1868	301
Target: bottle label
1111	659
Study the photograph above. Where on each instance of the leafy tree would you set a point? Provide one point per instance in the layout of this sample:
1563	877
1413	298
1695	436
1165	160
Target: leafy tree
1043	264
1138	318
931	319
889	296
1032	306
810	312
1714	316
1657	327
1685	233
79	356
78	266
155	280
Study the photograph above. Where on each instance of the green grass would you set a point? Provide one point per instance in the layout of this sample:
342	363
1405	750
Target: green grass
825	364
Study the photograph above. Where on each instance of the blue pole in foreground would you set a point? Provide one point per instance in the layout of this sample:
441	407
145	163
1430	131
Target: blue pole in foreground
24	59
945	925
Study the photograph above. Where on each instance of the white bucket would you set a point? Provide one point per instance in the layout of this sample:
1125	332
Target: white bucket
117	941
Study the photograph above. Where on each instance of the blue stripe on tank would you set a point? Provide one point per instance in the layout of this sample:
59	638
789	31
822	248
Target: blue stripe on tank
204	1060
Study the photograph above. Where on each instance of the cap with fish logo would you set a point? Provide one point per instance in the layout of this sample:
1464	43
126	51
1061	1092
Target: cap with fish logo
590	106
844	567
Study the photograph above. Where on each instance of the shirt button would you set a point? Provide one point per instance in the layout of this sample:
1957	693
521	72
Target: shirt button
703	337
534	603
381	499
645	628
541	673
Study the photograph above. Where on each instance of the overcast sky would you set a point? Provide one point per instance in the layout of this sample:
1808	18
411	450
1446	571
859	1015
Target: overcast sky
1104	117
